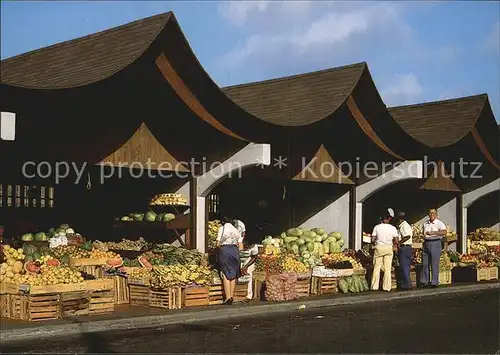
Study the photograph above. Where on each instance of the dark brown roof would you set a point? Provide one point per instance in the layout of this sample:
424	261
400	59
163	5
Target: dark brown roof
299	99
83	60
440	123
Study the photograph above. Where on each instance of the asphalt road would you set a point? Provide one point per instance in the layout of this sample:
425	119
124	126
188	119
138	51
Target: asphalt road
452	324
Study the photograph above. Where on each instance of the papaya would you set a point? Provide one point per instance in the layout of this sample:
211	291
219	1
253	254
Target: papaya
144	262
114	262
53	262
31	267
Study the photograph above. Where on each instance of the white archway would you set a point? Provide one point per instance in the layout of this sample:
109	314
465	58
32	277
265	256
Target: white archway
467	200
250	156
410	169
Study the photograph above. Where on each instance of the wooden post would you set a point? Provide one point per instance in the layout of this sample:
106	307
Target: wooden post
352	218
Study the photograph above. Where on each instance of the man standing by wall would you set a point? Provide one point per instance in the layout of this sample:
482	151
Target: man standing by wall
405	251
434	231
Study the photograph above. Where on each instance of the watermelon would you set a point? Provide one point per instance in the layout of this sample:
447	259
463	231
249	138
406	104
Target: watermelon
114	262
31	267
65	259
37	255
28	237
144	262
53	262
29	249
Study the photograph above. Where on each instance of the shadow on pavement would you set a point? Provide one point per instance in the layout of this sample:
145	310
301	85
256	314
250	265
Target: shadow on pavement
94	342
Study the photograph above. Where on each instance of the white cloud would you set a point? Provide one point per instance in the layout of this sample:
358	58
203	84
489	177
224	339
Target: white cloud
238	12
492	42
322	30
404	89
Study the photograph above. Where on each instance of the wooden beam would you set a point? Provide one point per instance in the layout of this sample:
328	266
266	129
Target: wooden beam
440	180
314	170
367	128
188	97
482	147
143	148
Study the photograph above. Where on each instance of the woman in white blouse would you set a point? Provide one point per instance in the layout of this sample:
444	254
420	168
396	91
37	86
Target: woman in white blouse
229	242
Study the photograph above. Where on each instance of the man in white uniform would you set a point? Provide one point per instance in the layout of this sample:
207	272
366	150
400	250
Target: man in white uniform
384	235
434	231
405	251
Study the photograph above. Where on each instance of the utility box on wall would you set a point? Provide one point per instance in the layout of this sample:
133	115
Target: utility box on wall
8	126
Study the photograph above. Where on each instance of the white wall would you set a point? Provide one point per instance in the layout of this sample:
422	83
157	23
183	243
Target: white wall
447	213
332	218
496	227
8	126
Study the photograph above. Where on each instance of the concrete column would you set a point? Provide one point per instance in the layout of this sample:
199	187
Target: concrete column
358	236
332	218
201	224
463	235
403	171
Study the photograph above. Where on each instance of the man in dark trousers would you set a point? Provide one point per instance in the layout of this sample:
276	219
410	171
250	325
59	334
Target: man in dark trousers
405	251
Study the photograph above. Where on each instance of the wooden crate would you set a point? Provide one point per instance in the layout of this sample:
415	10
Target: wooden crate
99	285
96	271
303	288
73	262
75	304
259	289
49	289
195	296
215	294
138	295
324	285
169	299
240	292
493	273
102	302
33	307
8	288
121	289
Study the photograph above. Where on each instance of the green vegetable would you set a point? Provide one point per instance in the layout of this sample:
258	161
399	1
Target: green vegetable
41	237
138	217
295	248
168	217
326	247
28	237
290	239
301	241
341	242
310	246
336	235
150	216
159	217
294	232
283	235
319	231
343	286
87	245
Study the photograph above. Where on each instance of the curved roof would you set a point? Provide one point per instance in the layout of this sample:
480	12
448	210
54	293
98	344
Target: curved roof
297	100
440	123
445	124
84	60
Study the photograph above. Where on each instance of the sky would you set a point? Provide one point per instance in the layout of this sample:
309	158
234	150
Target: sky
416	51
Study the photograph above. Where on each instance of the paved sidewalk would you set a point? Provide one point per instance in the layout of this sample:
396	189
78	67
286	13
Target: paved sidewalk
144	317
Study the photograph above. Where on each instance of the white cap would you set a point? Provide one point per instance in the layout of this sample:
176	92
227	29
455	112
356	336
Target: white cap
391	212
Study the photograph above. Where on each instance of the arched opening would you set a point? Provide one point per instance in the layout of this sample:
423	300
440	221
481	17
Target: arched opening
484	212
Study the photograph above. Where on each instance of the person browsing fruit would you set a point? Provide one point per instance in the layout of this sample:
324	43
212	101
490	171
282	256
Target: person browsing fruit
248	258
240	226
230	242
434	231
383	235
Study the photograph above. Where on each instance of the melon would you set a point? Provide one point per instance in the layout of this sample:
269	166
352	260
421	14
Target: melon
144	262
31	267
53	262
114	262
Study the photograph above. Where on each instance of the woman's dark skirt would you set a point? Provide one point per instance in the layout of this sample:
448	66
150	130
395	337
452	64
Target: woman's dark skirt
229	261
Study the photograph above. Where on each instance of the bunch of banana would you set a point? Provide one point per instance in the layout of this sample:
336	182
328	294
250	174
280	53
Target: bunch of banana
451	235
478	247
485	234
445	262
163	277
418	233
141	274
213	230
290	264
168	199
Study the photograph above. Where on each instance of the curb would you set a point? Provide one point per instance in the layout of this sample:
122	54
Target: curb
195	316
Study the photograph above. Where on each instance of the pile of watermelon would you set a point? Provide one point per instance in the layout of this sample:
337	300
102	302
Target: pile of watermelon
33	253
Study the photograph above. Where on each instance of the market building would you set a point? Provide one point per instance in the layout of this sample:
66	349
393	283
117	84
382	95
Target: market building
123	137
318	149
